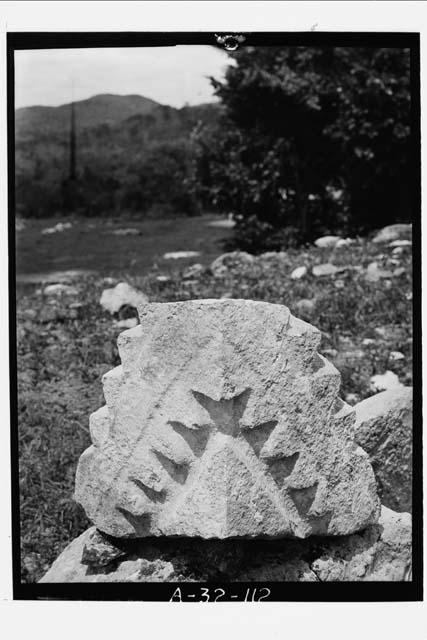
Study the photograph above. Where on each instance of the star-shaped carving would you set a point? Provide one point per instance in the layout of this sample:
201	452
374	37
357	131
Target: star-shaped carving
225	413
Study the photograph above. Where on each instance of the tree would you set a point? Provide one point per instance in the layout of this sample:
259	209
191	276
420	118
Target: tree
311	140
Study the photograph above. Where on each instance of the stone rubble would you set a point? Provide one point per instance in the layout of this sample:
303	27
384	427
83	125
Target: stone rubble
382	552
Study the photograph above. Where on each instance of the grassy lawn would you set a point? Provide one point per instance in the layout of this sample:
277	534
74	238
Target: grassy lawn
63	350
91	244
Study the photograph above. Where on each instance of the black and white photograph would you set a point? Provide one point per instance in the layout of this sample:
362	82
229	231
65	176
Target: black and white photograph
215	316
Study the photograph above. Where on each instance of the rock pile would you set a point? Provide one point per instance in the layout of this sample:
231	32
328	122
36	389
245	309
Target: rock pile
224	423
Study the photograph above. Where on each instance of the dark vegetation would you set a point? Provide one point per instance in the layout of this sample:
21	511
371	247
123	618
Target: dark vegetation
133	156
311	141
304	141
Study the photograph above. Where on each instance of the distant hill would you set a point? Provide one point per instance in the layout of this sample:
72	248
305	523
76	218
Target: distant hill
105	108
133	155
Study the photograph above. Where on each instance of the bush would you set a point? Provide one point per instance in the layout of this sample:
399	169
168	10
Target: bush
311	138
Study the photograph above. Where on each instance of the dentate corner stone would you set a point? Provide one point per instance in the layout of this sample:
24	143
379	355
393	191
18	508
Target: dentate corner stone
223	421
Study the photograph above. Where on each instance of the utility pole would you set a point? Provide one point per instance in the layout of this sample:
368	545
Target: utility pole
72	137
73	143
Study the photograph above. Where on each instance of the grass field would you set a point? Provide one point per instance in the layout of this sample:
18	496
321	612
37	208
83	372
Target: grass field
91	245
63	350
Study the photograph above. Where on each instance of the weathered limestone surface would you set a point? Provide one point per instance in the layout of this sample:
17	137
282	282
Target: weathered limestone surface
384	430
223	421
381	552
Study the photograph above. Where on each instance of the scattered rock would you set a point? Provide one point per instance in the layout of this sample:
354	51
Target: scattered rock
195	441
234	260
99	551
394	232
20	224
194	271
344	242
127	232
327	242
127	323
179	255
382	552
399	244
326	269
122	294
384	431
352	398
298	273
397	251
396	355
58	228
163	278
367	342
375	273
399	272
275	259
305	306
384	381
60	289
228	223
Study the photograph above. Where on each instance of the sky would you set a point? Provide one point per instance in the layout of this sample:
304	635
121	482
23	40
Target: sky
170	75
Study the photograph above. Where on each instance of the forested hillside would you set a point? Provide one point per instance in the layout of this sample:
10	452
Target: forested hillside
132	156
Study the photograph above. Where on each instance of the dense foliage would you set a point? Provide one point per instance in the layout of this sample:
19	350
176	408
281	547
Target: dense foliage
133	156
313	140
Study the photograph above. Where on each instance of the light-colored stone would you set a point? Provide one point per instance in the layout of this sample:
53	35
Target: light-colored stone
179	255
327	242
122	294
327	269
224	421
399	244
60	289
393	232
306	305
344	242
227	223
234	260
58	228
375	273
298	273
384	381
384	431
127	323
382	552
396	355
